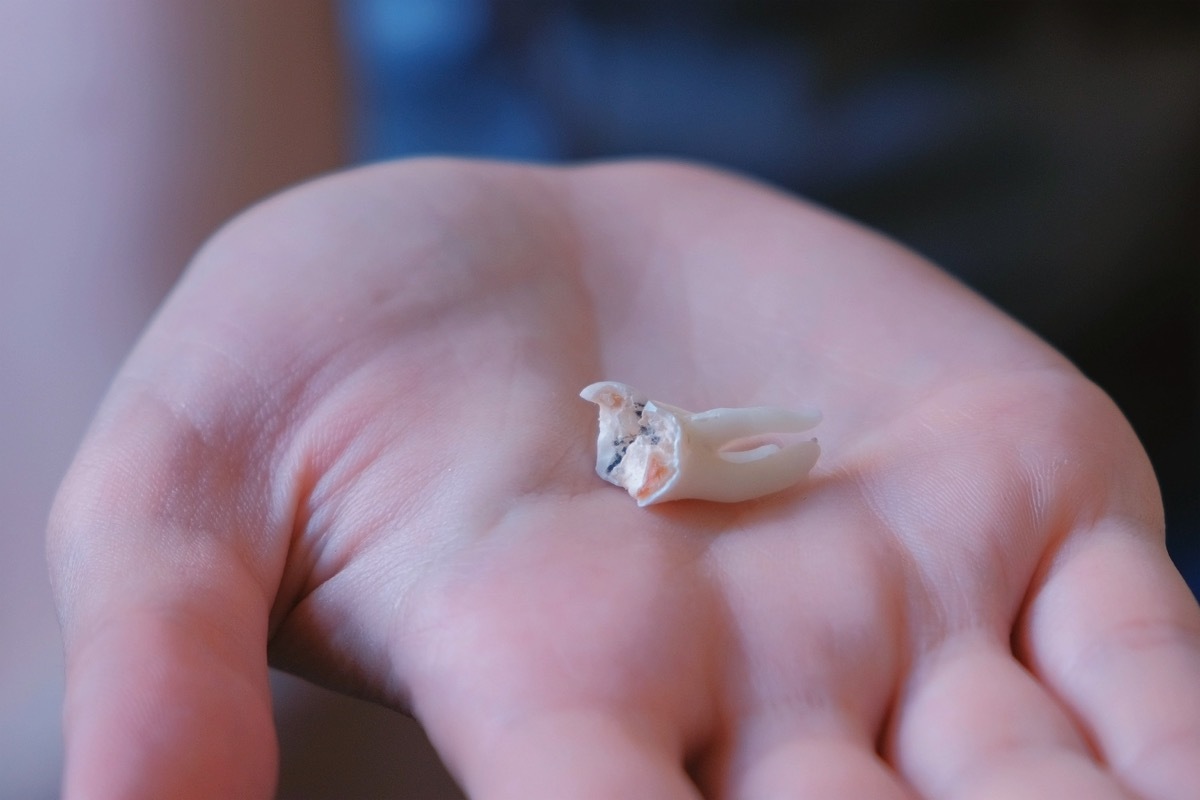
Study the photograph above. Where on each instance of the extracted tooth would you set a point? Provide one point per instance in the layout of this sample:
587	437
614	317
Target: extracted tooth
658	452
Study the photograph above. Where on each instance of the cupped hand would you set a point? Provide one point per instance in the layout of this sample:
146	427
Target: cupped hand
351	444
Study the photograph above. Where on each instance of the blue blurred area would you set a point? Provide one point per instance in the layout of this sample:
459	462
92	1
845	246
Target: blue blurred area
428	81
1048	154
445	77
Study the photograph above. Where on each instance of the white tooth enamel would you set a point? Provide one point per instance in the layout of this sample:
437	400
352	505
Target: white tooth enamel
659	452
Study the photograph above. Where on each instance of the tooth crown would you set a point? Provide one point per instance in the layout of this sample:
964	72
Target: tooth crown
658	452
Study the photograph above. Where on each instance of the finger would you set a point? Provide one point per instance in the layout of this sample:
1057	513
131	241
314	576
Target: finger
164	622
775	761
584	754
975	724
1116	633
817	650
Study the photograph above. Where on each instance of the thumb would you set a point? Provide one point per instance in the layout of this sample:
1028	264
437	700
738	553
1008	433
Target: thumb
163	569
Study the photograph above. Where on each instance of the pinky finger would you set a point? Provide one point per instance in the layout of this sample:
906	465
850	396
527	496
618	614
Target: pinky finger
1115	632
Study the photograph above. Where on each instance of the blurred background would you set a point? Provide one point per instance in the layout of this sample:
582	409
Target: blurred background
1048	154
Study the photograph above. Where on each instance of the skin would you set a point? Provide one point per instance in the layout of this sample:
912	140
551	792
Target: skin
129	129
351	442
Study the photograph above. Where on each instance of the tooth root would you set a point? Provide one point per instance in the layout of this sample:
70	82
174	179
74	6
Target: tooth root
658	452
724	480
721	426
745	456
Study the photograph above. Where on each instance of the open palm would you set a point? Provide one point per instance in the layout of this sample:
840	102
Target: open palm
352	441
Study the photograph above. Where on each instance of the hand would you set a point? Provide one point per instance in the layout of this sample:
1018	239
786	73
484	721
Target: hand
351	441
